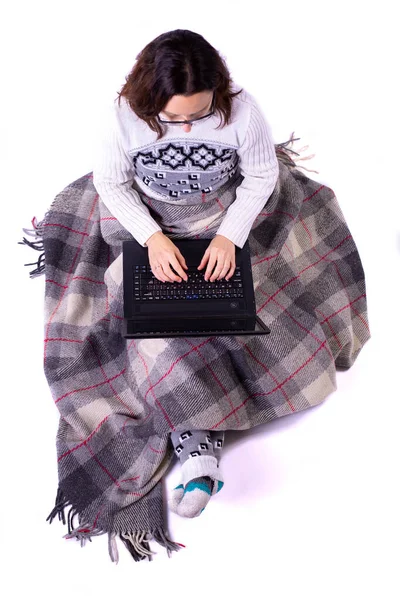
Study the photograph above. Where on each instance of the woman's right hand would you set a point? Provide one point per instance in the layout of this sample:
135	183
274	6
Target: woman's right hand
163	252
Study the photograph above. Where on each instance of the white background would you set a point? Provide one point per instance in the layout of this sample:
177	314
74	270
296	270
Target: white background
310	506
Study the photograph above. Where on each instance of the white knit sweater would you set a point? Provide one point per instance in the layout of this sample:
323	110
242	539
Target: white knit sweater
181	163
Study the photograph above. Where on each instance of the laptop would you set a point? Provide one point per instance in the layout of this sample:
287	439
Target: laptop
156	309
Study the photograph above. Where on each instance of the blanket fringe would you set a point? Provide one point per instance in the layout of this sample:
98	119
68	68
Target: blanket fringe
38	245
136	542
139	547
282	152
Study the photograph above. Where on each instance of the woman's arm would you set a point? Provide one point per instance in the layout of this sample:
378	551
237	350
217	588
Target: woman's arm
113	174
260	168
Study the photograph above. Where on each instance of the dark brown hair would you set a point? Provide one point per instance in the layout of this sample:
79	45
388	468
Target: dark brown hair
179	62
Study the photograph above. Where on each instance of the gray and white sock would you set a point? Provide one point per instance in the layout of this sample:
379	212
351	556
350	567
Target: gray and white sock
199	452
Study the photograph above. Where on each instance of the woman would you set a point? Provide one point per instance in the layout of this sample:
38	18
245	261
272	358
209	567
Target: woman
162	148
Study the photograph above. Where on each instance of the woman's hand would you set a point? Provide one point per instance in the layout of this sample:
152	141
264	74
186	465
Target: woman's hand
162	254
220	252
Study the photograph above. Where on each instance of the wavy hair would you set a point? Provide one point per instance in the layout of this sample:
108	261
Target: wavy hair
178	62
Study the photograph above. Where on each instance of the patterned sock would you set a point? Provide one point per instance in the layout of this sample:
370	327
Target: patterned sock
217	440
199	453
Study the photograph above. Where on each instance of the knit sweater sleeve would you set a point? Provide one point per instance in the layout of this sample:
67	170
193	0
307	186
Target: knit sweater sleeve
113	174
260	169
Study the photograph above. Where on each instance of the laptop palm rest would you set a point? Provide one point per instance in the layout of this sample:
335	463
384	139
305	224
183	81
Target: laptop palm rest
190	327
223	308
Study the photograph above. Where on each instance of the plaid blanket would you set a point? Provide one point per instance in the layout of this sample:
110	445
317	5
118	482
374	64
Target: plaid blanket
119	399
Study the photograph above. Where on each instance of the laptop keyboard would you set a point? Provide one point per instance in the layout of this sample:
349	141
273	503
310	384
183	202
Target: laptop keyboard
147	287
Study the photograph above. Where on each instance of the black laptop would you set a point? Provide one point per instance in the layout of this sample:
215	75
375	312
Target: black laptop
153	309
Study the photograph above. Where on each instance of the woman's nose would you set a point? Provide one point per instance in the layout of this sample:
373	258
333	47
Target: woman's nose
187	127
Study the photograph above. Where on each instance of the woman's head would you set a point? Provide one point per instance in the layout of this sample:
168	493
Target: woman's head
178	76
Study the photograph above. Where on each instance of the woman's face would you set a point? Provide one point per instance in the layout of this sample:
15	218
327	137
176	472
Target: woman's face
181	108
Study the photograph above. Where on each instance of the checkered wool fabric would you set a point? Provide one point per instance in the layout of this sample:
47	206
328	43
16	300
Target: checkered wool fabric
119	399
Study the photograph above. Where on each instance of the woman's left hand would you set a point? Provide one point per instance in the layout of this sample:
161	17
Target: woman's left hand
220	252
